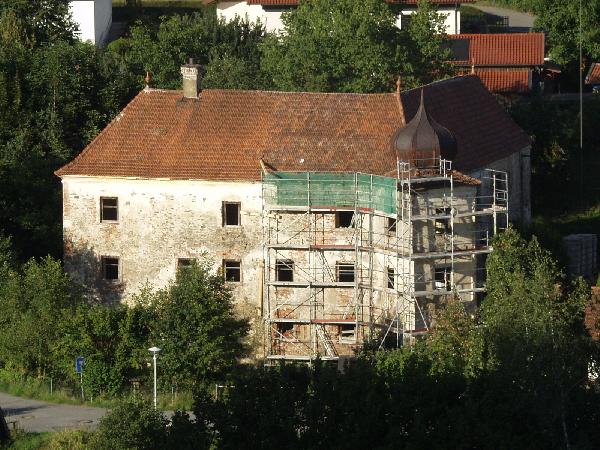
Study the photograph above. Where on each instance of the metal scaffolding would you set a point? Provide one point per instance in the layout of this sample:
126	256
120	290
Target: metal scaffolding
353	258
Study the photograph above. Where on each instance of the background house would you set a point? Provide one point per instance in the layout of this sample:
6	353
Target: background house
94	19
269	11
506	63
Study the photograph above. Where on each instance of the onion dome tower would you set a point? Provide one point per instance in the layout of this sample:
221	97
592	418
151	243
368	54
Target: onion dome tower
423	141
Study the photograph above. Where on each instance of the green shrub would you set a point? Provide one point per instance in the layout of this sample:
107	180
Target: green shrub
69	440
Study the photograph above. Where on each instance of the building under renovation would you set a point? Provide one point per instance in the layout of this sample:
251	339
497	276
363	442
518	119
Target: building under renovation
337	219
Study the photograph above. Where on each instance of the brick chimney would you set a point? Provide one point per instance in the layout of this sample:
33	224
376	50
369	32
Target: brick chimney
192	79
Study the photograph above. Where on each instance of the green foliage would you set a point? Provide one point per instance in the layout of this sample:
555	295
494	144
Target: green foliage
196	329
68	440
131	426
353	46
162	49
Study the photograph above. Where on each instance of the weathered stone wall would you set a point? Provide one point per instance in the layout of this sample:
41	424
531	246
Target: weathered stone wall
159	222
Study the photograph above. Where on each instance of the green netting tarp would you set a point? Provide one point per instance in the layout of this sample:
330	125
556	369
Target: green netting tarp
315	189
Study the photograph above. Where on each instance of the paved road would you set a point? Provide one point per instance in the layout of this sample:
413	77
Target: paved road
517	21
38	416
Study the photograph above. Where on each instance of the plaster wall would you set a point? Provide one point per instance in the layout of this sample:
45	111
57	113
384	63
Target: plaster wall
159	222
518	167
271	17
94	19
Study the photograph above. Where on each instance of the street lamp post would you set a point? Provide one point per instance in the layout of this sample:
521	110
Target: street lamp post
154	351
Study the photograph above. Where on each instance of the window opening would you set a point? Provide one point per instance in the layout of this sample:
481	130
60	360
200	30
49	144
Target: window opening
284	270
232	271
345	273
344	219
110	268
231	214
109	209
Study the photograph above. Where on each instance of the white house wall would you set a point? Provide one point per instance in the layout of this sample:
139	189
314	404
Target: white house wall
271	17
93	18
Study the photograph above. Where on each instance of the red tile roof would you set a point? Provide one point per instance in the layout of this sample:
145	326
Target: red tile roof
508	81
402	2
593	76
223	135
509	49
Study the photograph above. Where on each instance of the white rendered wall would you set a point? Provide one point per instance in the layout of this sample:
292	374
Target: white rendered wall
272	19
93	18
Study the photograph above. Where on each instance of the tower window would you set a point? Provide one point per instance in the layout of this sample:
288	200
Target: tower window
110	268
391	278
442	225
232	270
231	214
442	278
284	270
345	272
109	209
348	333
344	219
391	224
183	263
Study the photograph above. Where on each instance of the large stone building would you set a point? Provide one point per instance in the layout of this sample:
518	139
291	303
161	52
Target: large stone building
334	216
269	11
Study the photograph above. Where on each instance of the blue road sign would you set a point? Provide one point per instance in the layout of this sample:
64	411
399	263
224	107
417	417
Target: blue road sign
79	361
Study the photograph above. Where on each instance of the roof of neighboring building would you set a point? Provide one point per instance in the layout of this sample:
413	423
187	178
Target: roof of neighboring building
508	49
402	2
224	134
593	76
507	81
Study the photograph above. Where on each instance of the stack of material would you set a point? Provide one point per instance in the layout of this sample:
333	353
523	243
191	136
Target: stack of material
582	253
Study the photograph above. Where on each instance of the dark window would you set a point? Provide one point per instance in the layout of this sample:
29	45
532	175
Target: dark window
391	225
284	327
182	263
232	271
345	273
231	214
109	209
442	226
110	268
348	332
284	270
390	278
405	20
442	277
343	219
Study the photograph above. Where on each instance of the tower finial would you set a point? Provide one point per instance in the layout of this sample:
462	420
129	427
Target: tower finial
148	79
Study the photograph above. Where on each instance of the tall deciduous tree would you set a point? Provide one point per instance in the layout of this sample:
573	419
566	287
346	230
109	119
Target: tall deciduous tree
353	46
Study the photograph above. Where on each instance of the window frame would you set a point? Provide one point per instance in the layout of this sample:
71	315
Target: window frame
103	263
344	335
224	214
442	226
339	272
391	225
224	268
445	284
102	207
338	221
286	265
391	278
180	264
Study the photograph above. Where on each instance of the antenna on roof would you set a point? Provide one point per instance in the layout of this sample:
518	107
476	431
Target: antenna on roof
473	66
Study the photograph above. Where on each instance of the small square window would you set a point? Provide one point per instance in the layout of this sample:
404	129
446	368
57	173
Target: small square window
284	270
391	278
284	328
344	219
109	209
442	278
391	225
231	214
442	225
348	333
345	273
183	263
232	271
110	268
